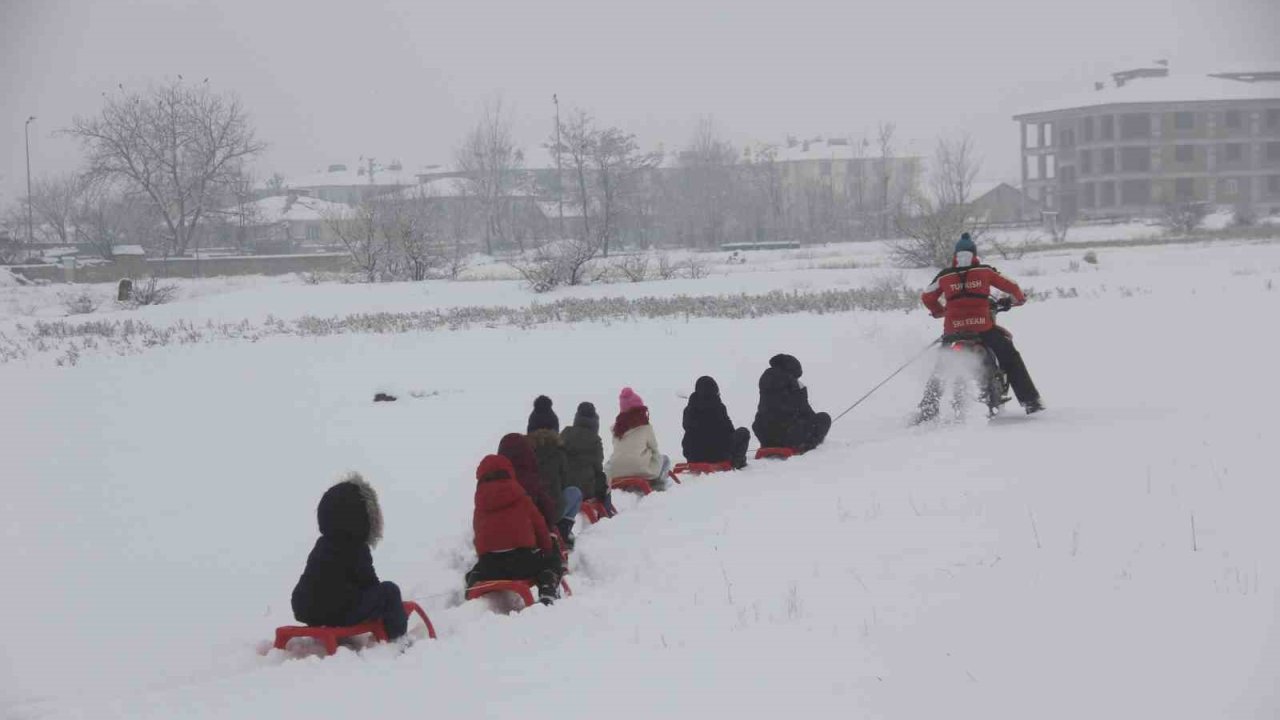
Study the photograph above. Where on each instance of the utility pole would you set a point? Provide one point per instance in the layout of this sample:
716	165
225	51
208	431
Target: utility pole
26	136
559	173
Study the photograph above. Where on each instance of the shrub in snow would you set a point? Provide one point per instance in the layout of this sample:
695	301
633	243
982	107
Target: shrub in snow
1183	218
151	292
1091	257
634	268
129	336
81	303
560	262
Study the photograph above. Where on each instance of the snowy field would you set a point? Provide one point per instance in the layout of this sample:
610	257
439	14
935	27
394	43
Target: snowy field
1116	556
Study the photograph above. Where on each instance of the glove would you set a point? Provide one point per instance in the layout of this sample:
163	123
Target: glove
1005	303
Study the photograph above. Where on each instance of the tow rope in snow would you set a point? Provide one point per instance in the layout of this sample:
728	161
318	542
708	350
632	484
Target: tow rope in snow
905	365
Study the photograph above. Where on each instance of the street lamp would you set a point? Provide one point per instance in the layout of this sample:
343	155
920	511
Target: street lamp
26	136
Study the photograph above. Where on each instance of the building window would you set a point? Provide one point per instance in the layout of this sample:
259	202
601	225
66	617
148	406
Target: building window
1273	152
1230	186
1086	129
1135	160
1183	153
1233	120
1086	162
313	233
1184	121
1233	152
1107	127
1184	189
1068	139
1135	126
1108	161
1135	192
1273	184
1087	195
1273	119
1106	194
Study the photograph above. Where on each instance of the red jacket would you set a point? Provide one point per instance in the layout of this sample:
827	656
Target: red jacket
505	518
966	291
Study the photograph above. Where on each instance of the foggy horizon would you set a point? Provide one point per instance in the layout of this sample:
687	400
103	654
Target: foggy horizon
325	84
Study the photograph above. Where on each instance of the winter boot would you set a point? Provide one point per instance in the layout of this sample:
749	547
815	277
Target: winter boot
565	526
548	587
607	500
1033	406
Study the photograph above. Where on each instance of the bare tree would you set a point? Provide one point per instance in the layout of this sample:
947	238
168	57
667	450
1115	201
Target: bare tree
884	143
709	188
955	169
177	143
54	201
108	216
358	230
414	229
939	216
577	143
492	166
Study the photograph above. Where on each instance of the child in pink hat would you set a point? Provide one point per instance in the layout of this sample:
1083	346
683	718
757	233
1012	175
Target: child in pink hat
635	446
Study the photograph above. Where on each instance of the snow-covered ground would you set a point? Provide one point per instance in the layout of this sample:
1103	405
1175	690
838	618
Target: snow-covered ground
1116	556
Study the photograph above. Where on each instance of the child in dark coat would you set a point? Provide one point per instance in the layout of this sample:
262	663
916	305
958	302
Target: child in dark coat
339	585
585	453
511	538
709	434
553	467
784	417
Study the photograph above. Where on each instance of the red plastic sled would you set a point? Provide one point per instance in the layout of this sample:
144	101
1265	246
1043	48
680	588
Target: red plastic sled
632	483
330	635
774	453
701	468
594	510
523	588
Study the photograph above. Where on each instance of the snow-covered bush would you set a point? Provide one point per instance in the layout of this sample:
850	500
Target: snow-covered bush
633	268
1091	257
152	292
81	303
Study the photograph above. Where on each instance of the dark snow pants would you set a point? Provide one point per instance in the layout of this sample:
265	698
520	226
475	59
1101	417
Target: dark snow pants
741	440
809	433
518	564
1001	343
380	602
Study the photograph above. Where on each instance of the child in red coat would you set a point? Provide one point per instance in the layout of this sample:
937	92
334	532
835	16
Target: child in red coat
511	540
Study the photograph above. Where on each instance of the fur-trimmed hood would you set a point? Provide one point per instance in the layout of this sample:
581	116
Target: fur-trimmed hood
349	510
543	438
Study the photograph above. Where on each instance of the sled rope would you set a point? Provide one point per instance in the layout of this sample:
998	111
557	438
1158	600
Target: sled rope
885	381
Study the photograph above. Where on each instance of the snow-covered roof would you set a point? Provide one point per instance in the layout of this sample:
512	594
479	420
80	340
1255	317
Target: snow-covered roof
1175	88
123	250
354	174
835	148
297	208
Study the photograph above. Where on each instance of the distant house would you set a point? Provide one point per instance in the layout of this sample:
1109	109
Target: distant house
1004	204
340	183
283	223
1156	138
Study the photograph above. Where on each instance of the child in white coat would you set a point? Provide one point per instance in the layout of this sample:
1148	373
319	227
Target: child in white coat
635	447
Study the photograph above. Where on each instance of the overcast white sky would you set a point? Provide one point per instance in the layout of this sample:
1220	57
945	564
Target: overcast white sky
330	81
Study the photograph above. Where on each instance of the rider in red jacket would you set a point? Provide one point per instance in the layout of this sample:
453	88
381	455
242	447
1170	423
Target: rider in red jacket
961	296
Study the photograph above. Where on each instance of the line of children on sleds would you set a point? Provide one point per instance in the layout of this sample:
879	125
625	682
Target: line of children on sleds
529	493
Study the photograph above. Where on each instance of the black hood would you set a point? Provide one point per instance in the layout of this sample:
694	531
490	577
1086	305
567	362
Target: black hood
705	392
786	363
349	511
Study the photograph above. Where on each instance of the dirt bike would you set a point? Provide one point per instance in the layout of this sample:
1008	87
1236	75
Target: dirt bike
978	367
